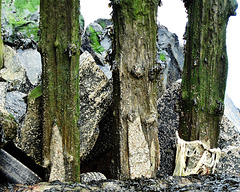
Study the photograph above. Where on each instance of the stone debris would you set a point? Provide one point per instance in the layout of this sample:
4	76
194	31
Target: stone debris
194	183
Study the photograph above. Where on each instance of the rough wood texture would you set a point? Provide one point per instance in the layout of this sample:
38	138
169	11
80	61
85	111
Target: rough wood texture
14	171
205	69
60	49
137	147
1	41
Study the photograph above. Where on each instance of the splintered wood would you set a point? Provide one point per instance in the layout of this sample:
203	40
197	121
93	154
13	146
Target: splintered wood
195	157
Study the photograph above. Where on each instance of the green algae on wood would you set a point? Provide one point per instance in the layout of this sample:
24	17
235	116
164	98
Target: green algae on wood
59	46
205	69
1	41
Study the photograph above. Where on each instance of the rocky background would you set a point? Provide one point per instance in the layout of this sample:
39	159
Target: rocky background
20	100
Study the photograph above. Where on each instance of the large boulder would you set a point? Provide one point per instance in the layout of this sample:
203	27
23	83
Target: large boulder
29	139
14	72
95	99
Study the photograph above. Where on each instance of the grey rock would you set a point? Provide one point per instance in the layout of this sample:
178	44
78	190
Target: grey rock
16	105
193	183
3	93
91	176
29	139
30	60
95	98
168	45
232	112
13	71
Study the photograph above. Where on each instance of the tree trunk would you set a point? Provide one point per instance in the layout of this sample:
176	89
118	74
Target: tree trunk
60	50
205	69
1	41
134	72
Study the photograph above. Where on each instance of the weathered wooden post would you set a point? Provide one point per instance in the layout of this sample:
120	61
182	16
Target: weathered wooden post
205	69
60	50
134	72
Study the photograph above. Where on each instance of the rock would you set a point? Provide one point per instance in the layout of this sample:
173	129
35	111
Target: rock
190	183
168	122
3	91
16	105
30	60
95	98
8	127
232	112
170	52
29	139
100	157
229	143
91	176
12	72
20	22
97	40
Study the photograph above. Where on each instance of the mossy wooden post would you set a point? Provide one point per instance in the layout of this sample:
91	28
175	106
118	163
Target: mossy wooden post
205	69
60	50
1	41
134	52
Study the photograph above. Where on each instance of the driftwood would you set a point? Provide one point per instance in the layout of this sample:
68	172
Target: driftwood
13	171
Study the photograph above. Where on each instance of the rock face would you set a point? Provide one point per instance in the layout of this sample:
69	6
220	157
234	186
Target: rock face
170	52
95	99
12	72
229	138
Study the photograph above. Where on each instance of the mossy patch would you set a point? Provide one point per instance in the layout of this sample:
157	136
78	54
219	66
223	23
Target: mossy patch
94	40
31	5
162	57
35	93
